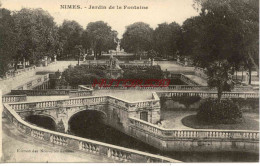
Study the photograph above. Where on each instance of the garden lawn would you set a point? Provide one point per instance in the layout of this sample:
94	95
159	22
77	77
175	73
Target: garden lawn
250	122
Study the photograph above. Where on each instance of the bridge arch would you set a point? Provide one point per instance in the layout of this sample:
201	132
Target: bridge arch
42	120
89	114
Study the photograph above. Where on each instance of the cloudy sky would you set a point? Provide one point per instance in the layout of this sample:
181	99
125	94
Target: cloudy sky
158	11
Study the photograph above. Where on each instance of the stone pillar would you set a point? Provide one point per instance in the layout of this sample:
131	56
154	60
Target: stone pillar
45	61
55	60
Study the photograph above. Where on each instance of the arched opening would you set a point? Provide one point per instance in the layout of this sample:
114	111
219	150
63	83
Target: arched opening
89	124
42	121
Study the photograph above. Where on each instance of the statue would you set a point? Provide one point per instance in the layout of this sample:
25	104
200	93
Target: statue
114	70
114	63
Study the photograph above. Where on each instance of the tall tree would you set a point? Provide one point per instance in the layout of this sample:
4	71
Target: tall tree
191	33
137	38
217	43
237	23
101	37
70	33
7	40
38	34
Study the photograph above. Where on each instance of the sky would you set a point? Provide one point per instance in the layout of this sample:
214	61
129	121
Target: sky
159	11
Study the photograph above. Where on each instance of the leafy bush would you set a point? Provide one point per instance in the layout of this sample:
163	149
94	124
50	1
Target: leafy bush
223	112
82	75
143	72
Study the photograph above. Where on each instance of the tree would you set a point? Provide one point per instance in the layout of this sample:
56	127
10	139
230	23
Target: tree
38	34
191	30
167	38
239	20
101	37
137	38
7	40
219	45
70	33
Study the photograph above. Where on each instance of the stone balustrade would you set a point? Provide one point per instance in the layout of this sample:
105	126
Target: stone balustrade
13	98
34	83
170	87
77	143
43	92
20	72
246	135
207	94
53	92
187	80
121	63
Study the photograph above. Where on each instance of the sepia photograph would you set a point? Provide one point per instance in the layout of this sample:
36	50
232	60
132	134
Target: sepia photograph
129	81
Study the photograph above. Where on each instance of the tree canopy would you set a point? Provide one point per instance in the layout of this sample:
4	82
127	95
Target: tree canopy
37	33
137	38
7	40
167	39
101	37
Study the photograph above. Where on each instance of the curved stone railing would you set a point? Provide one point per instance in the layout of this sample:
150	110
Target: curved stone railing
246	135
77	143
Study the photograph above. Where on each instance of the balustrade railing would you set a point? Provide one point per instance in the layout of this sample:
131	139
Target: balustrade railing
18	72
194	133
13	98
171	87
207	94
77	143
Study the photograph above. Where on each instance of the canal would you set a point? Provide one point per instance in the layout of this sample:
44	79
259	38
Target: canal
88	124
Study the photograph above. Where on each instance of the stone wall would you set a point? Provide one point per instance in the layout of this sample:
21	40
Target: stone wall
194	139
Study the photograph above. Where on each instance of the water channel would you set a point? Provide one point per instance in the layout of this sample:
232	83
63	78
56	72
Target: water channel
88	124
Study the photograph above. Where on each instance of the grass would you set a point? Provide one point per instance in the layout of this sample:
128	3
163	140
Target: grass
247	124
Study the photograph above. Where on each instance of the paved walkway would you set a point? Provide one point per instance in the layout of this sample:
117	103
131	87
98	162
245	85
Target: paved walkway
18	147
173	67
7	85
59	65
171	119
